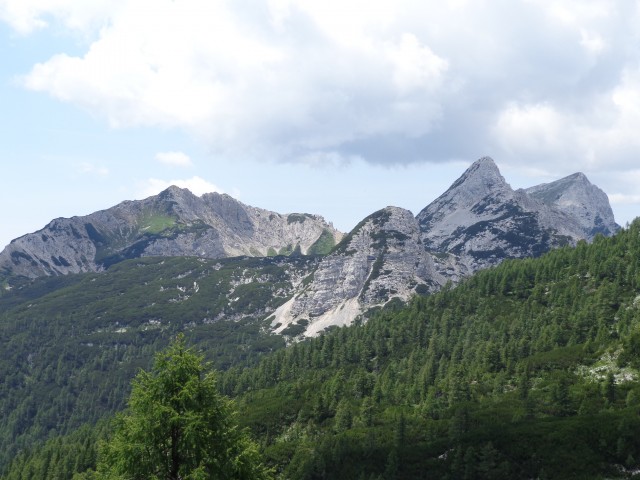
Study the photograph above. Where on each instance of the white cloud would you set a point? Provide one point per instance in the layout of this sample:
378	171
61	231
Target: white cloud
593	43
538	127
26	16
175	159
386	81
415	65
327	159
602	135
198	186
304	77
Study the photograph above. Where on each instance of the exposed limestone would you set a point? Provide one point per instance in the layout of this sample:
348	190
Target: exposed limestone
381	259
173	223
583	201
482	220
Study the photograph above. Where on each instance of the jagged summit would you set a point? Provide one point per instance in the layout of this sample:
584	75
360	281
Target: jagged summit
480	194
576	196
173	223
485	167
480	179
174	190
482	220
478	222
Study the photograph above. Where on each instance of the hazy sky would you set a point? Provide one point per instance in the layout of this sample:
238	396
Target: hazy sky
331	107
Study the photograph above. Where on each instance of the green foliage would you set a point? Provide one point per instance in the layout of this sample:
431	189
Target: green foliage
297	218
295	329
376	269
60	457
528	370
156	223
497	378
377	218
323	244
78	340
177	426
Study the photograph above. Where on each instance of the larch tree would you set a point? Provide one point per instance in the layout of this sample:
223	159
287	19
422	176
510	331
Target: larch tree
178	427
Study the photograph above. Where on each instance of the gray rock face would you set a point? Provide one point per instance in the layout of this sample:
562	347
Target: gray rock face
581	200
482	220
173	223
380	259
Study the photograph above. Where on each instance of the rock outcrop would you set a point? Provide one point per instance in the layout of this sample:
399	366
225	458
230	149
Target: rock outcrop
478	222
173	223
380	259
585	203
481	220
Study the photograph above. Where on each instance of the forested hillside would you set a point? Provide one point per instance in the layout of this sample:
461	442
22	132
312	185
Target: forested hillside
528	370
71	344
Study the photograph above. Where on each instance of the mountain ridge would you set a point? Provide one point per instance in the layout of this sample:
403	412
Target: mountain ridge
172	223
478	222
380	259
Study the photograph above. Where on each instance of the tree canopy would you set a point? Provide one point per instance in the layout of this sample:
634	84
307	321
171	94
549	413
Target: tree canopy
178	426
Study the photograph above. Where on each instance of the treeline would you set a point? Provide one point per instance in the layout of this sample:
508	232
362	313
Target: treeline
528	370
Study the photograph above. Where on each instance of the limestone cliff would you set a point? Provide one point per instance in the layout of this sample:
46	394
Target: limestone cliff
380	259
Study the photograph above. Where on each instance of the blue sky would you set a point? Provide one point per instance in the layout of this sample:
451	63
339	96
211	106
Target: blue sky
336	107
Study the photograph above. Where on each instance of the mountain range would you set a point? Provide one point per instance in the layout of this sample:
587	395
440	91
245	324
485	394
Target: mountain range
173	223
477	223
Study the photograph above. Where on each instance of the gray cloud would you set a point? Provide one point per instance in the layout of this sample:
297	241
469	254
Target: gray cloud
530	82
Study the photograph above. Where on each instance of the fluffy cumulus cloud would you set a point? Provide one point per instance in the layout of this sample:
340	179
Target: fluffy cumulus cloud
536	83
197	186
27	16
602	130
285	79
174	159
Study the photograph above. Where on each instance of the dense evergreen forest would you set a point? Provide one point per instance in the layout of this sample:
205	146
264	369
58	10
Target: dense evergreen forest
527	370
72	344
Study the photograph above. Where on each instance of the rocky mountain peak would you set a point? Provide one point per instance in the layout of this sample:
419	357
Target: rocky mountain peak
380	259
174	191
176	195
478	222
480	193
579	177
173	223
484	166
576	196
482	220
480	179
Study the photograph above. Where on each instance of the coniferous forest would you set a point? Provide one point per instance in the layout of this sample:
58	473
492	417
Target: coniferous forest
527	370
